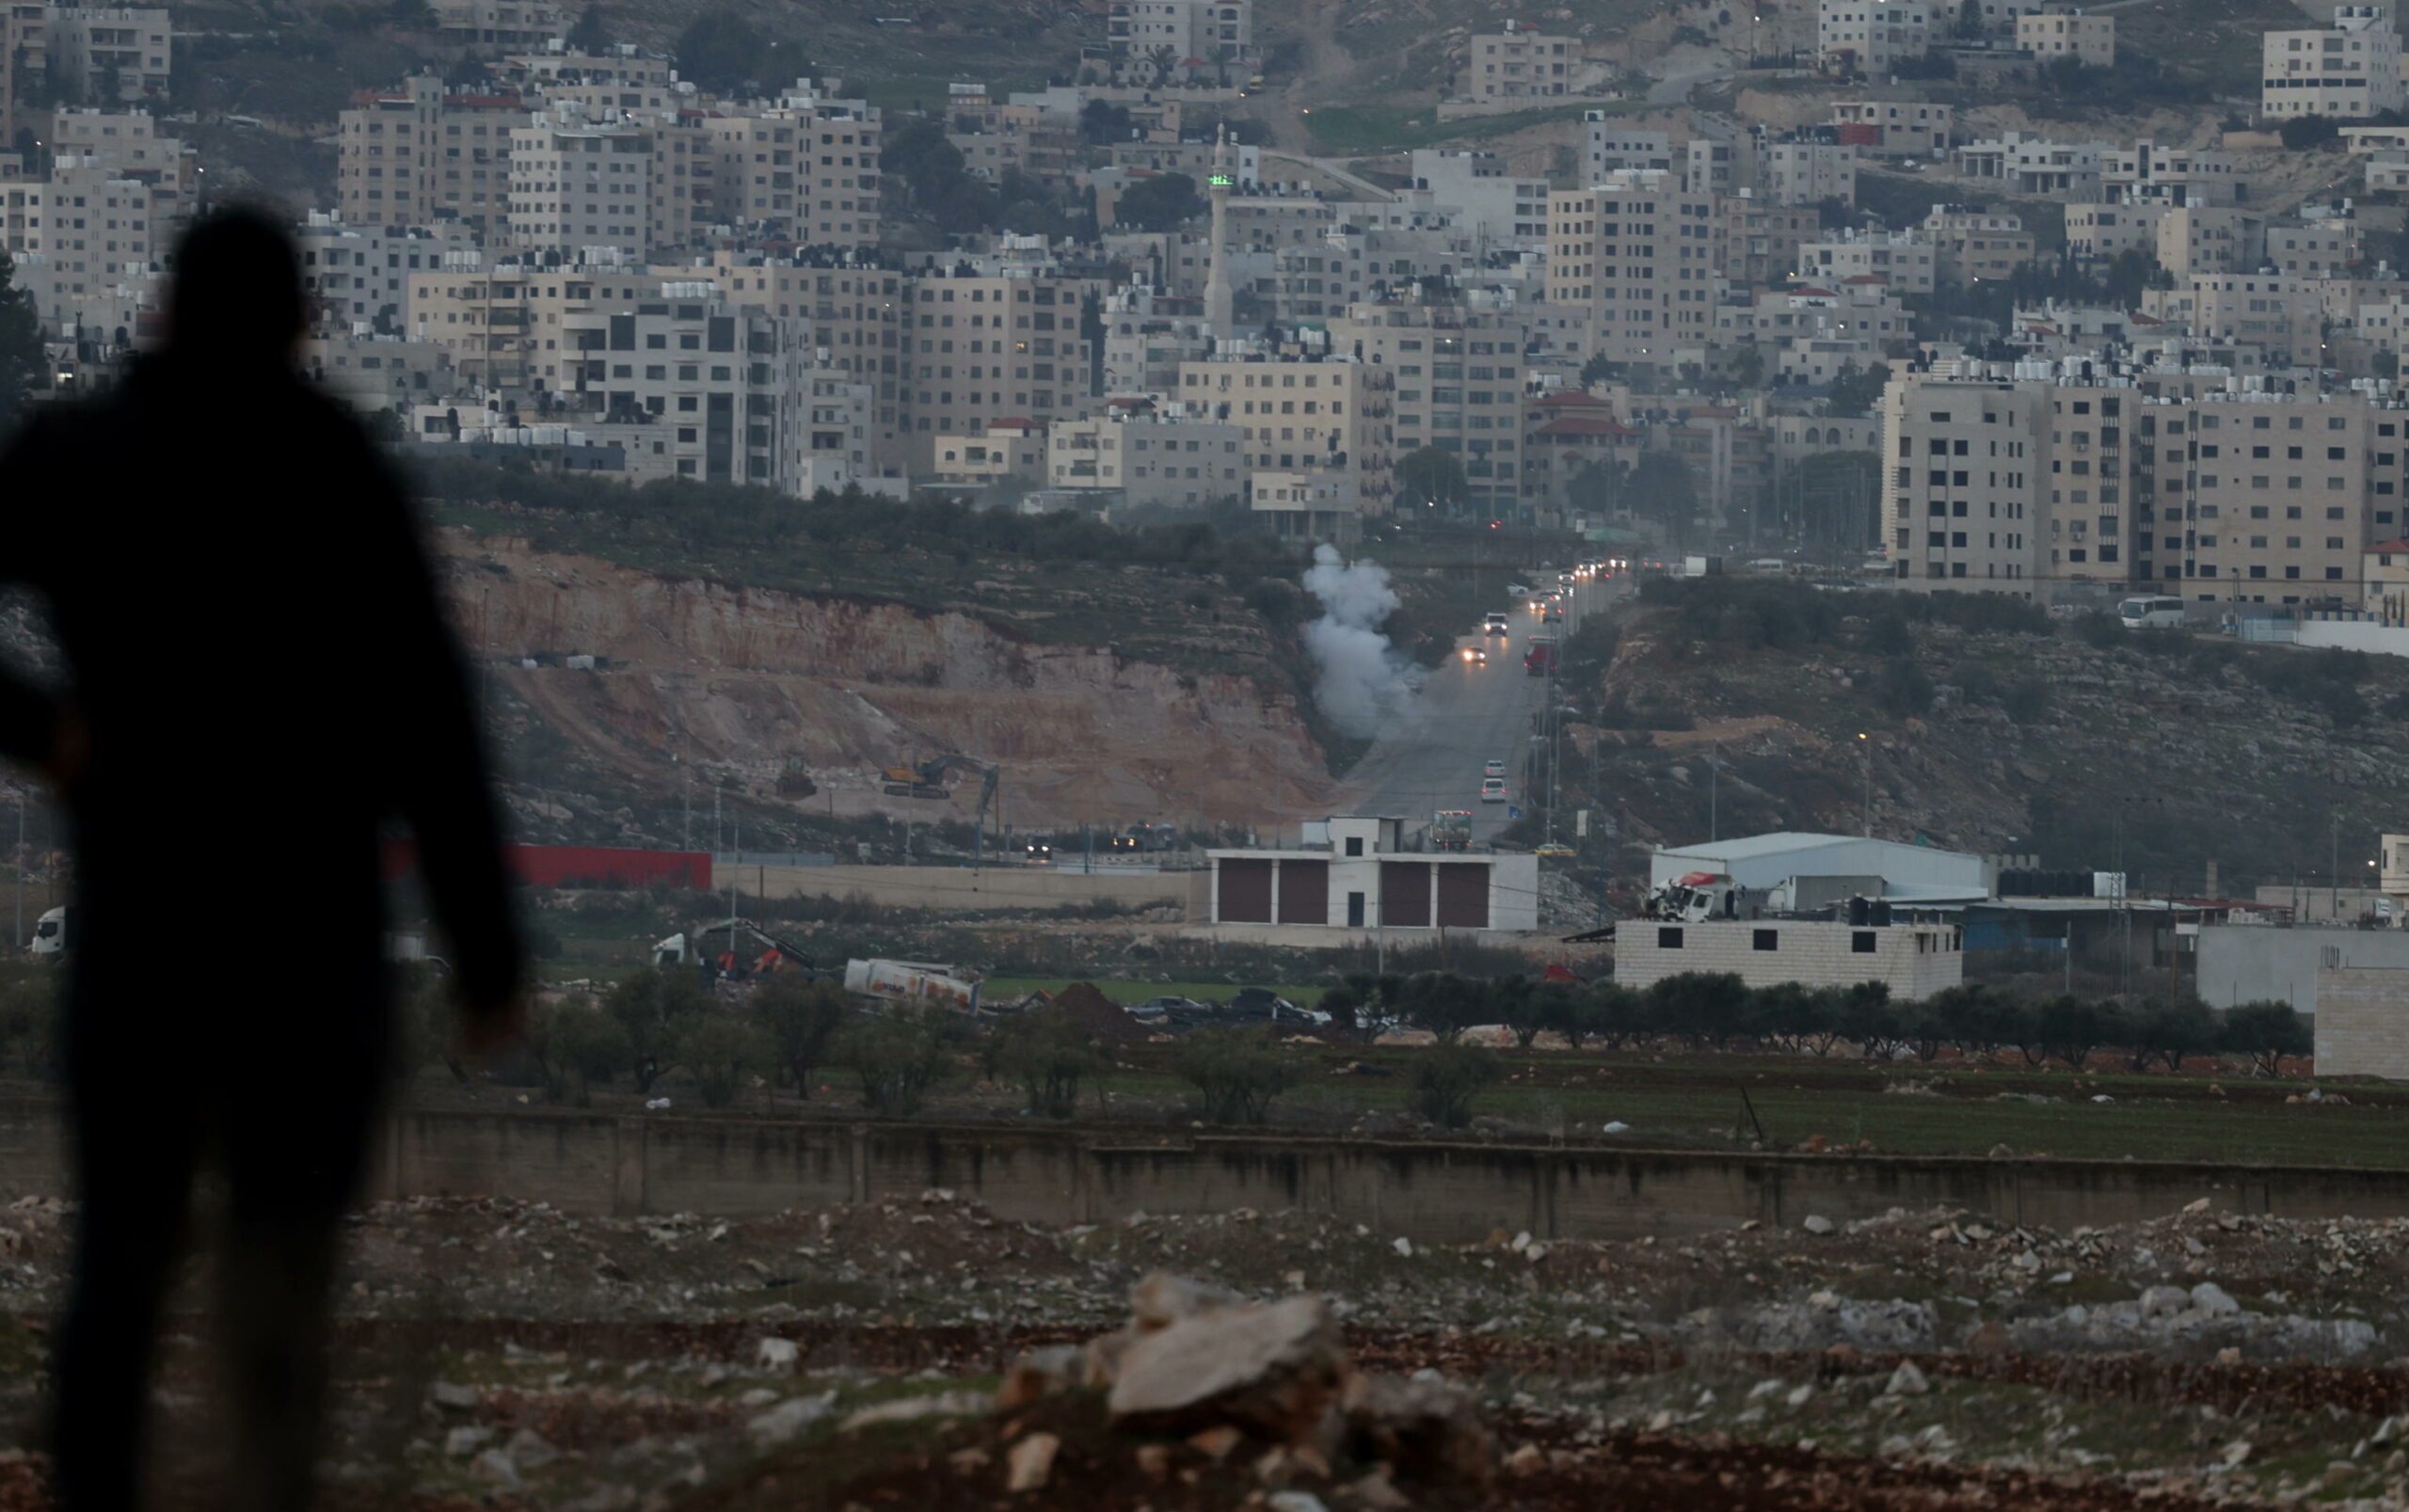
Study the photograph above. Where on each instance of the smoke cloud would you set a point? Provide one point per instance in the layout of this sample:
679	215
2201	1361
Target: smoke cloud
1365	682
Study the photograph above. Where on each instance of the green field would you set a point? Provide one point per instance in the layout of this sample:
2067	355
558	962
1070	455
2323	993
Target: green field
1359	129
999	988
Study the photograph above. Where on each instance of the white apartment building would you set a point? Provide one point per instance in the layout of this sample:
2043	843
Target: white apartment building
2050	36
92	226
1718	160
807	171
1869	35
2103	230
981	347
1459	369
1145	33
2146	173
1905	262
1806	171
1985	478
835	436
374	373
103	54
2209	239
1896	128
359	275
1006	448
1607	146
579	182
492	26
1519	64
2035	164
1501	209
1304	413
1969	245
1156	461
2348	72
2281	317
2326	248
1639	261
720	386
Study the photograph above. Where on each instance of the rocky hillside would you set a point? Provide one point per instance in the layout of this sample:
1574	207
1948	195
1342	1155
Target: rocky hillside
1990	728
747	684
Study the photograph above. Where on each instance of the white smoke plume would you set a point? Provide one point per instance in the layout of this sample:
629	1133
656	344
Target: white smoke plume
1365	681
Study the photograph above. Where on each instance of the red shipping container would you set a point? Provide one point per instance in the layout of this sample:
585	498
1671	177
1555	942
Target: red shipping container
584	866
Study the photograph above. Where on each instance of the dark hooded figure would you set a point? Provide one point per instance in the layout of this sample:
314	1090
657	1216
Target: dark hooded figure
259	684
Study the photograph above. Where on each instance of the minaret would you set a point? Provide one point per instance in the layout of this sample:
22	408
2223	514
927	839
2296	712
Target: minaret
1219	308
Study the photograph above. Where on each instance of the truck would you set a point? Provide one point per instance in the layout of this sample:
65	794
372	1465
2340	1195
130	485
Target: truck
1497	624
1451	830
738	947
910	982
1701	567
53	934
1693	897
1539	660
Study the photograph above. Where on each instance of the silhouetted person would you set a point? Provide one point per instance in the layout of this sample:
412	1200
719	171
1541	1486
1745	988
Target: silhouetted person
258	682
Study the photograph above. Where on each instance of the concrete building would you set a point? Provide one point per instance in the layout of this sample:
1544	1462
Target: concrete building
1156	461
2051	35
2363	1021
854	306
1914	960
978	348
1007	449
1608	146
374	373
719	384
1304	414
1638	259
1819	869
1354	874
2029	164
2282	316
2209	239
487	27
1869	35
106	54
1896	128
1519	64
2278	496
2347	72
1155	38
1500	209
1807	170
1459	385
580	180
1761	241
806	171
2146	173
359	275
1905	262
2237	963
2104	230
1969	245
421	154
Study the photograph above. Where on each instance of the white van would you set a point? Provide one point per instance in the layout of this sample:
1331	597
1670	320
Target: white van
1493	790
2155	612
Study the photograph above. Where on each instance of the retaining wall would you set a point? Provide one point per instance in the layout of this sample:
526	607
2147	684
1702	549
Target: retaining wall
1428	1192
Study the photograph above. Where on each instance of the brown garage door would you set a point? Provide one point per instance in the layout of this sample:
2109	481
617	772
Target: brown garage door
1464	897
1246	892
1304	892
1405	895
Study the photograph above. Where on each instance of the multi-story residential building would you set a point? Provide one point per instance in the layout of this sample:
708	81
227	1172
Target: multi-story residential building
980	347
1158	459
1761	241
359	276
1156	38
2283	318
835	436
2387	172
2274	497
1607	145
1969	245
373	372
579	182
2347	72
804	171
1815	333
422	154
2029	164
1896	128
1011	449
1638	259
1719	160
2209	239
720	383
105	55
1806	168
1147	335
1321	425
2103	230
856	310
1459	369
1500	209
2146	173
1905	262
506	323
1519	64
92	226
1968	484
491	27
1564	435
1870	36
2321	246
2056	34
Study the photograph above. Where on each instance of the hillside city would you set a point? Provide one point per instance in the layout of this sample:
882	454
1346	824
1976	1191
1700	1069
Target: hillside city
1362	755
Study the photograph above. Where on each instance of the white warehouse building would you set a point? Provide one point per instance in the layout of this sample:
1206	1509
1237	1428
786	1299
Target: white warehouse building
1825	868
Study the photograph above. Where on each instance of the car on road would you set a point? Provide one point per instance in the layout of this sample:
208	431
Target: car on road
1253	1005
1495	623
1516	590
1476	656
1554	851
1494	767
1493	790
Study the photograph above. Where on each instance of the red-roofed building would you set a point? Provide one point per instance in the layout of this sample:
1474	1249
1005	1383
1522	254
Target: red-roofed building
1563	436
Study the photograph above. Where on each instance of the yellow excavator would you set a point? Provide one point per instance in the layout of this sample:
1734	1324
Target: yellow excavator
928	779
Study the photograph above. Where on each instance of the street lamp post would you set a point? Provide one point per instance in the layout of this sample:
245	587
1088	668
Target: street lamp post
1867	745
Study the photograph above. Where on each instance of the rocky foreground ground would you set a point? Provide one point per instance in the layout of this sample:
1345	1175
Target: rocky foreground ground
925	1353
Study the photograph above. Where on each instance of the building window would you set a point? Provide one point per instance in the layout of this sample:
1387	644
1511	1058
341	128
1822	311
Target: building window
1861	942
1764	939
1354	845
1668	937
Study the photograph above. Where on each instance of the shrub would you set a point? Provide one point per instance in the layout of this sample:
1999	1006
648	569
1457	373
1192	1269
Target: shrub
588	1046
2170	1031
1702	1007
801	1020
1446	1079
1901	689
652	1006
1049	1055
30	1010
2266	1032
1237	1071
899	1056
721	1049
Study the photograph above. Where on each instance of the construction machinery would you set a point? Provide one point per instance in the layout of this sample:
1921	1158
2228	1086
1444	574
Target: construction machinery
927	780
741	943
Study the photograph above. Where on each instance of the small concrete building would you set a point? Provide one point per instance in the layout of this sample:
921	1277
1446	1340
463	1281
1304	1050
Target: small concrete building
2235	964
1355	874
1913	960
2362	1021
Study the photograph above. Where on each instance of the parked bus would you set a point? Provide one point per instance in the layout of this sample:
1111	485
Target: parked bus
2156	613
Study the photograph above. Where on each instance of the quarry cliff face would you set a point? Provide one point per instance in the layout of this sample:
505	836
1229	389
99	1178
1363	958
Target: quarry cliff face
754	682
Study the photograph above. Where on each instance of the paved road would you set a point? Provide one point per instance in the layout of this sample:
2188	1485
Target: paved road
1466	716
1675	91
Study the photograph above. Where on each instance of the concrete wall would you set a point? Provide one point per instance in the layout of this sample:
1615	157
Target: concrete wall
1914	960
2255	963
1430	1193
2363	1021
2354	635
996	887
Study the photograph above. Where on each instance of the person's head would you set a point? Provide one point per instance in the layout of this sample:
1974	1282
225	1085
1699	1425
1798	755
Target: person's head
237	294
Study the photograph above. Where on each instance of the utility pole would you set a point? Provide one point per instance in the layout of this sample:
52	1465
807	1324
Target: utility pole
2334	863
17	941
1868	746
1713	788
